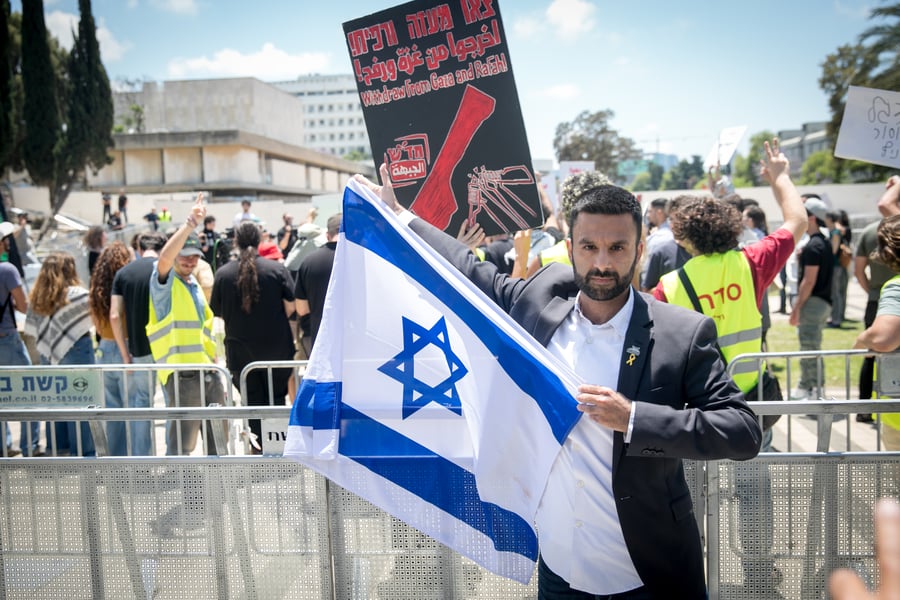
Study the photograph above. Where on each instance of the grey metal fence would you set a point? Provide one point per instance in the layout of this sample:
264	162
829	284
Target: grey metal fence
265	527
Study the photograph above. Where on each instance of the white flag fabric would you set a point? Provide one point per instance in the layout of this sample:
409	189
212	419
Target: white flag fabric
426	399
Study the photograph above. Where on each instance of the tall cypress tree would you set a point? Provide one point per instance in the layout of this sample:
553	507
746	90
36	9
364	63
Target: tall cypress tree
7	119
43	123
89	130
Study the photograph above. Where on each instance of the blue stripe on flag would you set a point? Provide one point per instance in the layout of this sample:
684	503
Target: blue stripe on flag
363	225
316	404
434	479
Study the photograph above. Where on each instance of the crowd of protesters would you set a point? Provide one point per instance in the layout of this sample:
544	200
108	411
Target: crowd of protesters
239	275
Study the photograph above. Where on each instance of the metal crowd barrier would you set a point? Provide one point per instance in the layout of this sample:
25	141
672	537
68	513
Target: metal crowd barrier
266	527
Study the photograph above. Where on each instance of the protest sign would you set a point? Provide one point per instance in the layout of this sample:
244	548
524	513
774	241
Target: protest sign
573	167
870	129
438	95
724	147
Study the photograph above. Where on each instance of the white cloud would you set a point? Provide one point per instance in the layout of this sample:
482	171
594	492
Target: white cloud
526	26
111	49
571	18
181	7
562	91
269	63
61	25
854	12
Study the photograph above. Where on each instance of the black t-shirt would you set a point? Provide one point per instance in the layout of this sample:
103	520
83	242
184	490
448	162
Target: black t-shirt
292	239
817	252
312	283
132	282
264	334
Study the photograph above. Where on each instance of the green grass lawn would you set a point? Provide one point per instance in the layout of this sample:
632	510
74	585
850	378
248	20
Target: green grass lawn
782	337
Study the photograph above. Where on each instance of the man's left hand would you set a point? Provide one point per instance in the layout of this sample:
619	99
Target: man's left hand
605	405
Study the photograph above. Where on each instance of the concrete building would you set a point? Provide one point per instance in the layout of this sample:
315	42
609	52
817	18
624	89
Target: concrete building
332	114
799	144
236	138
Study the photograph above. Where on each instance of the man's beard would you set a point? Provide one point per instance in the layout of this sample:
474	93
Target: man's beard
598	293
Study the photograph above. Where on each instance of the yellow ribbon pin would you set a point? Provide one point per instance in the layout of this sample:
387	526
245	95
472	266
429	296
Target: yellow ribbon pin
630	360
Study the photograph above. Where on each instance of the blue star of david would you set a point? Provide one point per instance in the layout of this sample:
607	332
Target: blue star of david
417	393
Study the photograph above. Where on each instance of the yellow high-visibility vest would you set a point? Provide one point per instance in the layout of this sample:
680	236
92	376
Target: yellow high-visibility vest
558	252
180	337
724	286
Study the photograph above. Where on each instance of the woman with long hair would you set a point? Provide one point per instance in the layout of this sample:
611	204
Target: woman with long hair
114	257
60	322
254	296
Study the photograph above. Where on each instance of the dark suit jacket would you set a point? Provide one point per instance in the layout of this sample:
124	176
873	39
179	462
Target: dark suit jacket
687	407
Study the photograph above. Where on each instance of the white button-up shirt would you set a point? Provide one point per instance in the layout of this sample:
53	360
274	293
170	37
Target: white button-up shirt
578	526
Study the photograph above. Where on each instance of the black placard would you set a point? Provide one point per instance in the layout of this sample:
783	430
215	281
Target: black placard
441	109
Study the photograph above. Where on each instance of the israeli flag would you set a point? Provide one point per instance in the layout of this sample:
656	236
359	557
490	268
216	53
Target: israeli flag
426	399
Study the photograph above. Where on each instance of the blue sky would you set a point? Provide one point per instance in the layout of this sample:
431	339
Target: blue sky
674	73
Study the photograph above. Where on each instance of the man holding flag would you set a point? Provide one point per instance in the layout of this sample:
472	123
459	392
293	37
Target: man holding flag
450	396
616	518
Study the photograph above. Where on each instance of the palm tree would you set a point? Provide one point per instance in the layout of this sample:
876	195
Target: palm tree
884	46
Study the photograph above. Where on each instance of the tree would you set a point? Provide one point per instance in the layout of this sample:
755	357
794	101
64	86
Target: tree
89	129
43	122
819	167
590	137
685	175
68	112
641	183
649	180
849	65
885	47
7	98
874	61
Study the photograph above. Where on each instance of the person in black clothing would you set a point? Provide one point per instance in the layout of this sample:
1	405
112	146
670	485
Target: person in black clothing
123	206
312	283
254	298
813	304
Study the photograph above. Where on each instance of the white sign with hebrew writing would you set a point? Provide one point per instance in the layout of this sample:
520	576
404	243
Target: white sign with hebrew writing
870	129
724	147
22	388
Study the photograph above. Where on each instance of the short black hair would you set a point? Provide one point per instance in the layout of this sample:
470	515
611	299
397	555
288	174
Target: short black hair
606	200
209	219
152	240
659	203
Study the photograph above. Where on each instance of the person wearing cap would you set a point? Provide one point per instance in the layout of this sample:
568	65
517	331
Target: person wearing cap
813	304
180	332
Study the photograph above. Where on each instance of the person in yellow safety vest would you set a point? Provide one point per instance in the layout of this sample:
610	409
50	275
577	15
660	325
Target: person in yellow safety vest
180	332
729	285
165	216
884	333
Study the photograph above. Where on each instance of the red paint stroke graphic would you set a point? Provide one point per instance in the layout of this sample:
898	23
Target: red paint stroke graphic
435	201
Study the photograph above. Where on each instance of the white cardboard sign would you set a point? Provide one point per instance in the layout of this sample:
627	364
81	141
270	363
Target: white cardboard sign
724	147
870	129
